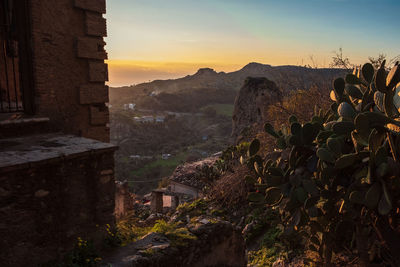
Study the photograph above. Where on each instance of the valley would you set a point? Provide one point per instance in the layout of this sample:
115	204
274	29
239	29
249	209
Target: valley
150	151
164	123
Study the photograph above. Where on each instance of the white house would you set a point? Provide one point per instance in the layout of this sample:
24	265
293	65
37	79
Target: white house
165	156
160	119
185	180
130	106
180	188
144	119
147	119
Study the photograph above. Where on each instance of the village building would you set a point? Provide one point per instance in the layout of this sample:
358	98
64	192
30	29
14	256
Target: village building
149	119
56	163
185	180
160	119
144	119
186	189
166	156
129	106
184	185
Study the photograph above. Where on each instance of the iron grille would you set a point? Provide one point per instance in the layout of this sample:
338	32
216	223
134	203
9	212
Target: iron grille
11	98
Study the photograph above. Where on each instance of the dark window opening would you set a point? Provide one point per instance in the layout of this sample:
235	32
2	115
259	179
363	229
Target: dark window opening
15	61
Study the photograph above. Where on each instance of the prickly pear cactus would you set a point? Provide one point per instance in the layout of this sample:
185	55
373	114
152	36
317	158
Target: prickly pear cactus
342	170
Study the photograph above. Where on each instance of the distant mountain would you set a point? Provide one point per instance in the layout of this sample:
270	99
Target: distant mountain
209	86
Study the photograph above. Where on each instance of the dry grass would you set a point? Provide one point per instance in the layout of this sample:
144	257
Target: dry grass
300	103
231	188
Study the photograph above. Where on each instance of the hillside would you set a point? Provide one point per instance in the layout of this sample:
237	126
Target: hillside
200	123
207	86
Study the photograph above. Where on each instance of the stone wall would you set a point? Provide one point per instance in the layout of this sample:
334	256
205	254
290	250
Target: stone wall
57	187
124	200
216	243
68	65
52	191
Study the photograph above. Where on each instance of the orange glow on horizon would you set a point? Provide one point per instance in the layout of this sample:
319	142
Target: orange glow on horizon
128	72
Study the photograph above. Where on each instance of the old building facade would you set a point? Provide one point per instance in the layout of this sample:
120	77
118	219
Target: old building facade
56	163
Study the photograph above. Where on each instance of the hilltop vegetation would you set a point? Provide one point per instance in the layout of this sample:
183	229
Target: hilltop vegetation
206	87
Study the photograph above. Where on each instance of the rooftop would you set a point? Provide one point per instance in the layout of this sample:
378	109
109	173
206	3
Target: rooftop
186	173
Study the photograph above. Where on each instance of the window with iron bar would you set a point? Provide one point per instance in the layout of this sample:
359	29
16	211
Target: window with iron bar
16	86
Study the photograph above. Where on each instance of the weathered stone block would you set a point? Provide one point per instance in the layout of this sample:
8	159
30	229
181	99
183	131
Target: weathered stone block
99	115
174	202
92	5
46	205
98	71
101	133
92	48
93	94
96	25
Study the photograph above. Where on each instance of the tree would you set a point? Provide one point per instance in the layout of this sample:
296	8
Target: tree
339	61
376	62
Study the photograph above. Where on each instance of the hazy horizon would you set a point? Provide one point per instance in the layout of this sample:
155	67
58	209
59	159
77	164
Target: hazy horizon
125	73
133	73
161	39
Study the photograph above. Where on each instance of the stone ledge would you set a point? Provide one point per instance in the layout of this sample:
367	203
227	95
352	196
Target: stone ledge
96	25
92	5
24	152
99	115
91	48
98	71
93	93
101	133
23	121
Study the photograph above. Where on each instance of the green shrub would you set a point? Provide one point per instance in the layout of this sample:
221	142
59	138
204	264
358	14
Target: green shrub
178	236
264	257
341	176
83	254
195	208
127	231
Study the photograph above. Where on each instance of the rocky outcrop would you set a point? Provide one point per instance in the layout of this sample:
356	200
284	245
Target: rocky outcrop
216	243
252	102
206	71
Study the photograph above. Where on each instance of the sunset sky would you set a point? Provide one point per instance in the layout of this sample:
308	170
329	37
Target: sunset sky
161	39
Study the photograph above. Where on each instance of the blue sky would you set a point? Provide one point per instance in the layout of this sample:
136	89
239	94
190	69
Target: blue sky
170	38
